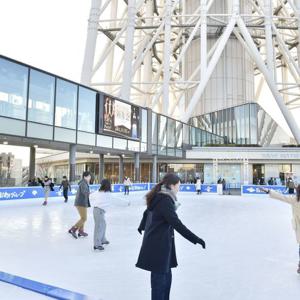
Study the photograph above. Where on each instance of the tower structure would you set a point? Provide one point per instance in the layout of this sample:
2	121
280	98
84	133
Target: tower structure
192	58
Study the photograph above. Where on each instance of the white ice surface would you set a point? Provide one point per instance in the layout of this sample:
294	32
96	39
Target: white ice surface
251	250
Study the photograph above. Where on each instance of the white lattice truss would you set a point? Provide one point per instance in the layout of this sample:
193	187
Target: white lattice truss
151	38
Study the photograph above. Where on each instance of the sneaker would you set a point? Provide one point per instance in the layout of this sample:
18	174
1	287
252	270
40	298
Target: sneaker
99	248
105	243
66	201
44	203
81	233
72	231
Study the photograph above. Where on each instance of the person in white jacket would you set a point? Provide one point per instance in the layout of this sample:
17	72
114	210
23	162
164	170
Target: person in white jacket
294	201
198	186
102	201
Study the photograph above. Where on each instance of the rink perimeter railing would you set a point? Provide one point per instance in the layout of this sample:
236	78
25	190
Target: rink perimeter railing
36	192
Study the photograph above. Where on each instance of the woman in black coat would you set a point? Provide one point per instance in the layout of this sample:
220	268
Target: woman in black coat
158	254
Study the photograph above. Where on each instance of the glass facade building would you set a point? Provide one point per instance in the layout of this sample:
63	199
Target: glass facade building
37	104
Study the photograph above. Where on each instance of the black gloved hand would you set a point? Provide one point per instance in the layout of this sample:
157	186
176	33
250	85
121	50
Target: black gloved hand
139	230
201	242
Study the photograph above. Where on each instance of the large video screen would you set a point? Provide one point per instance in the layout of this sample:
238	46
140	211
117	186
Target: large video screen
121	118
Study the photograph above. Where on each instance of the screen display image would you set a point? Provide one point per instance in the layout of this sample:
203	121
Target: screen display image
121	118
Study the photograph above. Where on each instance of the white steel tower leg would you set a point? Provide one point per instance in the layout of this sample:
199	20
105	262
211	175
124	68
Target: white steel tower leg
277	96
167	54
110	57
203	39
148	57
127	71
91	40
268	11
211	66
297	5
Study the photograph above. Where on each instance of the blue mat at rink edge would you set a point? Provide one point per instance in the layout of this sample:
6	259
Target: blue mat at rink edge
41	288
19	193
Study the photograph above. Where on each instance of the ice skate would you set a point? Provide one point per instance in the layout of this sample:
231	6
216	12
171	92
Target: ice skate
298	271
105	243
72	231
44	203
99	248
81	233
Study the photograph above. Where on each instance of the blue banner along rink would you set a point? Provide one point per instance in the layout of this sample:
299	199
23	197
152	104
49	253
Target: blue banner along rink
20	193
255	189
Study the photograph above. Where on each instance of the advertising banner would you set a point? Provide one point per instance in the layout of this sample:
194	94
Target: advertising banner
120	118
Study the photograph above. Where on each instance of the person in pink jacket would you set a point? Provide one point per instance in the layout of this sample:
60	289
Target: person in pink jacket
294	201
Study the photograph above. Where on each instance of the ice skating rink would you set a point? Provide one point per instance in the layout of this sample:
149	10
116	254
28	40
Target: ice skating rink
251	252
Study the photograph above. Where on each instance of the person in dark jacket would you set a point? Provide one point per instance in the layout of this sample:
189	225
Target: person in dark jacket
82	202
158	254
66	186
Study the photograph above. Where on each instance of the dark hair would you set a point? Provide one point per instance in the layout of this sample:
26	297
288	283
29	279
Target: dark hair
105	185
65	177
168	180
298	193
86	174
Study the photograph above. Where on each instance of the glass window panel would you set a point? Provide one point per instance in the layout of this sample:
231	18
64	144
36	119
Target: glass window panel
143	147
186	134
162	131
247	123
13	89
133	146
154	128
253	124
41	97
85	138
171	152
179	134
120	144
86	110
171	133
13	127
104	141
39	131
154	149
65	135
144	125
66	104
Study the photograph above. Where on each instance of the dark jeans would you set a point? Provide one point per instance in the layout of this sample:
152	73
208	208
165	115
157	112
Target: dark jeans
126	189
65	193
291	191
161	285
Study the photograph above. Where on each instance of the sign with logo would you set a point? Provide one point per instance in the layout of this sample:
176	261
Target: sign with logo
255	189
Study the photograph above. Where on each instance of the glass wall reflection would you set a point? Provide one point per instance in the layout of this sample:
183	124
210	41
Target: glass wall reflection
13	89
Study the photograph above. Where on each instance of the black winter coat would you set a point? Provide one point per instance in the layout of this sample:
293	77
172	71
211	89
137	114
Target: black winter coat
158	253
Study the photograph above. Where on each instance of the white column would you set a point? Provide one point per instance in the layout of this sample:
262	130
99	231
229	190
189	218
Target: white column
246	171
128	57
167	56
215	171
91	40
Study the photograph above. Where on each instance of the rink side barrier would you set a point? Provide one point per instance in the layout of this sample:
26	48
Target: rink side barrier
41	288
249	190
35	192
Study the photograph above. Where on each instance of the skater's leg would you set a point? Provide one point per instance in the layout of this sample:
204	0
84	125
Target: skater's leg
159	286
83	217
97	238
168	285
103	222
66	194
